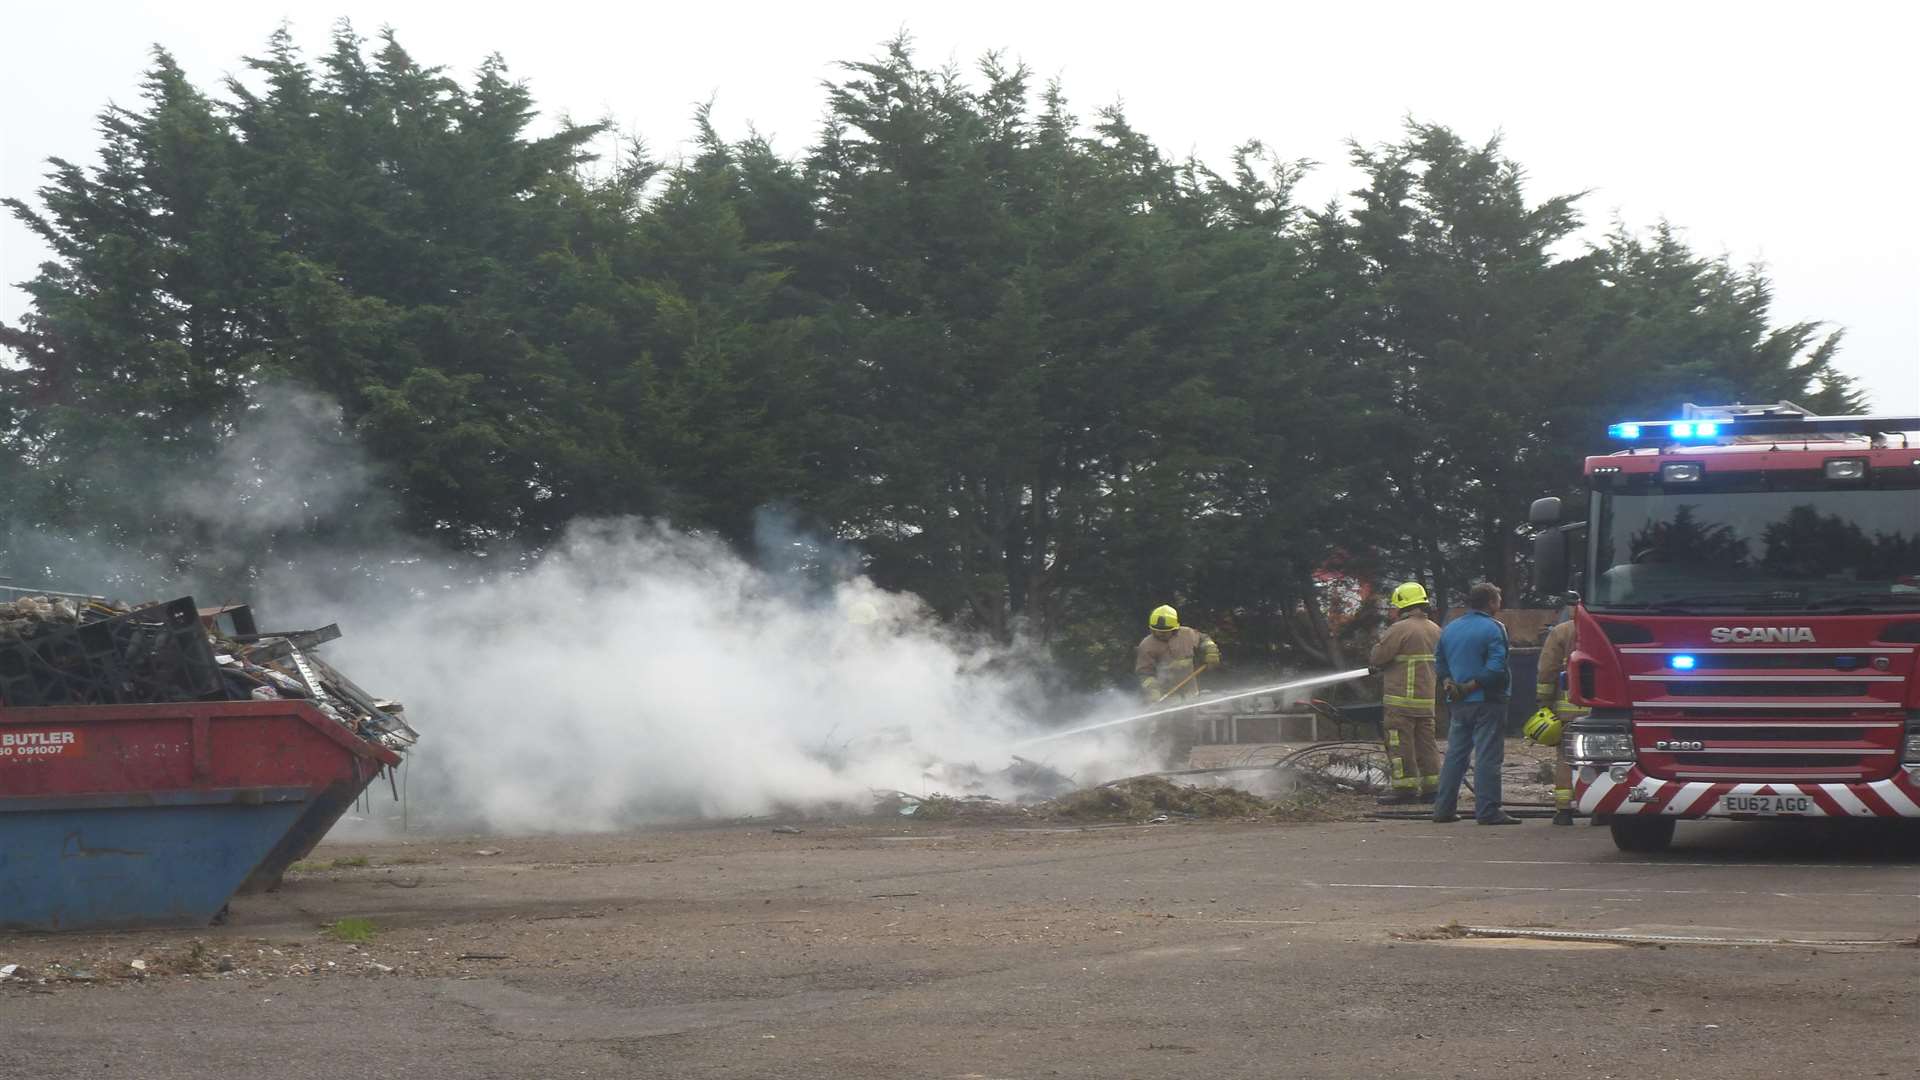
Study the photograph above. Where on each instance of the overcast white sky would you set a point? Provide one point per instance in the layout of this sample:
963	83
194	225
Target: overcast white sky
1773	132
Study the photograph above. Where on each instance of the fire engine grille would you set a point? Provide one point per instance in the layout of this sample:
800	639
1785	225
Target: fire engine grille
1675	746
1679	711
1797	758
1680	688
1820	735
1784	659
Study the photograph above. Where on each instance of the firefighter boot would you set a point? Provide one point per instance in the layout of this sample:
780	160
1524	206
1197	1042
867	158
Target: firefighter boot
1562	788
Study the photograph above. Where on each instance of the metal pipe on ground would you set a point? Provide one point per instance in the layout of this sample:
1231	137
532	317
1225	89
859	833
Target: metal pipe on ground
1519	810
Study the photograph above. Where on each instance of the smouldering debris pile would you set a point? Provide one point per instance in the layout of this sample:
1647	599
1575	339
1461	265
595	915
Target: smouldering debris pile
66	649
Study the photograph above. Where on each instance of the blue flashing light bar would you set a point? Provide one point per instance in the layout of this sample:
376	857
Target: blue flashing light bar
1764	422
1681	662
1675	430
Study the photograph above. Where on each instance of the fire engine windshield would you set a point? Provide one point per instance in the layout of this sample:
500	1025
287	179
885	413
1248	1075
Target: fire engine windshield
1756	541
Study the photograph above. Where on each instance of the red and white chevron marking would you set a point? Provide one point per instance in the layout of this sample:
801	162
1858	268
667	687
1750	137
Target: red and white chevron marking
1597	792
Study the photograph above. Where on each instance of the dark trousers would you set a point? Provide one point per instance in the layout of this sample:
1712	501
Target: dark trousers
1475	728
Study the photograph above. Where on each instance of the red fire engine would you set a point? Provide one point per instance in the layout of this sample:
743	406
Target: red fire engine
1748	583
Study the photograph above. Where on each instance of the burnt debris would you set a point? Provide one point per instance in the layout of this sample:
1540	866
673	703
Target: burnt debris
67	649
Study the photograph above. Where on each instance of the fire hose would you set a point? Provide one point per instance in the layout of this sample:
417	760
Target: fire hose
1297	684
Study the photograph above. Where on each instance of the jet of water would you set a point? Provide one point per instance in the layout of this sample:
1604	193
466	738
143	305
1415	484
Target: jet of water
1297	684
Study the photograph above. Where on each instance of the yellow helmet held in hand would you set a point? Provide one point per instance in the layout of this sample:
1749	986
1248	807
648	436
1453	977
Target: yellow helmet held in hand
1543	727
1406	596
1164	618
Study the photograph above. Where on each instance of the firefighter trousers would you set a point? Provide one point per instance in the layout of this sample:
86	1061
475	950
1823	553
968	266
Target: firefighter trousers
1413	755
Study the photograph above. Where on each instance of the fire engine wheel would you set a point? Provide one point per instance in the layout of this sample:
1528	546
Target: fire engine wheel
1643	835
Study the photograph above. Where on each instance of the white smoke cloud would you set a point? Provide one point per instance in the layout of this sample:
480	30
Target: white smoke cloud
630	672
285	483
638	673
287	463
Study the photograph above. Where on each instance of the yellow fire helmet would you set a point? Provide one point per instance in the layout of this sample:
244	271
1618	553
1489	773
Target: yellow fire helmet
1543	727
1164	618
1406	596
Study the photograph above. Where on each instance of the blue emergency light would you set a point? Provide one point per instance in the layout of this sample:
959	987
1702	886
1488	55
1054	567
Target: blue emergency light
1784	419
1681	662
1667	429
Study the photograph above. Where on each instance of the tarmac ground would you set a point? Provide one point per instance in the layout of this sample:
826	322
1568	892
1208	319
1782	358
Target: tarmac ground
1005	949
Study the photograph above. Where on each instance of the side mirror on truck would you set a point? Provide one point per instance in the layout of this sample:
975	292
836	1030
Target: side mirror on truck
1555	570
1549	559
1551	563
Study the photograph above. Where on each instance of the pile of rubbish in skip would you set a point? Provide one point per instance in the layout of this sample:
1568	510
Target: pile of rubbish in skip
73	649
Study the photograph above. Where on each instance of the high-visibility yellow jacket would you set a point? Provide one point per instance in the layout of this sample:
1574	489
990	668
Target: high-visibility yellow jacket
1549	688
1162	664
1404	659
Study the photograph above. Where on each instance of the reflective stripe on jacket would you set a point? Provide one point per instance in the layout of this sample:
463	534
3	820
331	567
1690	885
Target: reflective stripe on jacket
1550	687
1404	658
1173	658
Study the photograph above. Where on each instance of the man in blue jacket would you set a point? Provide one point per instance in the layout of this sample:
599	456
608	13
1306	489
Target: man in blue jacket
1471	664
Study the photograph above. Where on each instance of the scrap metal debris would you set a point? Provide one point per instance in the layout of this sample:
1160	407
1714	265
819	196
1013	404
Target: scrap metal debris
28	616
72	649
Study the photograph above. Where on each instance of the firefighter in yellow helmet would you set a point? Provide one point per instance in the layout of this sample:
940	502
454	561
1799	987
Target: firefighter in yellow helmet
1555	712
1404	661
1166	656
